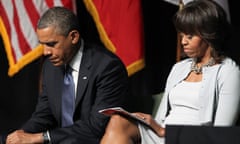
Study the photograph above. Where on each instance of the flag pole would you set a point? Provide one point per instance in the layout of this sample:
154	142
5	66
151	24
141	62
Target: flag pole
179	51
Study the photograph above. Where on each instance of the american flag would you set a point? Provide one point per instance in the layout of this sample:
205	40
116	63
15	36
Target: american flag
18	20
120	26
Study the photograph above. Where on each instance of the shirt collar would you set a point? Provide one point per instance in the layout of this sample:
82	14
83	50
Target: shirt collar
75	63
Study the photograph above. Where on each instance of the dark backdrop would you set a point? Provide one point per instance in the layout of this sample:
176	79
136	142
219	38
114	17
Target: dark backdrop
19	93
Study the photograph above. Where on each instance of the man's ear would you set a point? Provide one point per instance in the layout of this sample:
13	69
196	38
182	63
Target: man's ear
75	36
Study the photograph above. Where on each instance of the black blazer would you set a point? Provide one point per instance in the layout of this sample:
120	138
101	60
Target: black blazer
102	83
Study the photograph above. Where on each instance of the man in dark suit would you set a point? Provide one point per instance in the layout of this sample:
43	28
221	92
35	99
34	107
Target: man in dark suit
99	76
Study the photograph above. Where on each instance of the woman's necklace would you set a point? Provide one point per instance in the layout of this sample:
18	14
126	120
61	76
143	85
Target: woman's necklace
198	69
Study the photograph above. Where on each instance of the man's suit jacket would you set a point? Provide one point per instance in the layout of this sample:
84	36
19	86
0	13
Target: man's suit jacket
102	83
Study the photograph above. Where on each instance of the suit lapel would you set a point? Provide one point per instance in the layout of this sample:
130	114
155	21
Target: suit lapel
82	84
83	76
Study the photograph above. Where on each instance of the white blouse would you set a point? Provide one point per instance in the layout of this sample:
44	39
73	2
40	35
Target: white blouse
184	104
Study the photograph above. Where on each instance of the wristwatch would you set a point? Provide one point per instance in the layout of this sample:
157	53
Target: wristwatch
45	138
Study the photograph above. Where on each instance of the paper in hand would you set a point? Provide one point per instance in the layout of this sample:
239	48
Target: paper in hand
123	112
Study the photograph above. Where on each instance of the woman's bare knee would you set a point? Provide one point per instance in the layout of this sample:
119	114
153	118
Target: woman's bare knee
119	125
121	129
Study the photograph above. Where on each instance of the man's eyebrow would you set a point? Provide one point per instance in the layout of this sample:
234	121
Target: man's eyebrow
48	43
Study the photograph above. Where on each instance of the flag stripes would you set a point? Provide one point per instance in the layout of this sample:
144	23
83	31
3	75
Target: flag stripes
18	20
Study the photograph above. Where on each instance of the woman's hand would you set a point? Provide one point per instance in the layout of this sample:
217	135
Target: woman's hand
160	131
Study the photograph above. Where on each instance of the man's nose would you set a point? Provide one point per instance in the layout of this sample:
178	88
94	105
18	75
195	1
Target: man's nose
46	51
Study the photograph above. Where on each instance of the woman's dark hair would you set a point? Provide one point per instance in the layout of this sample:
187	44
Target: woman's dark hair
206	19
